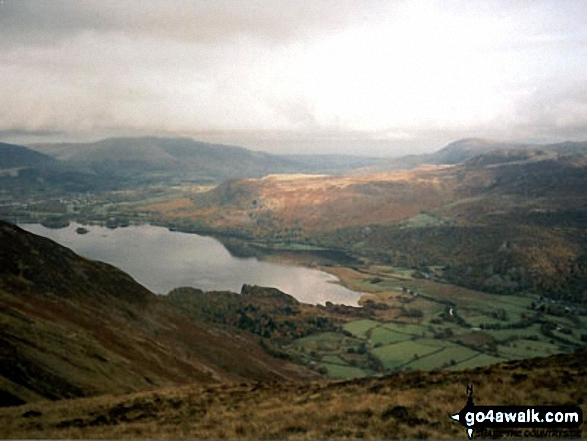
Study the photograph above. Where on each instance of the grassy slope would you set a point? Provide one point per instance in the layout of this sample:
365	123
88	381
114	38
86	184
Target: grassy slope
403	405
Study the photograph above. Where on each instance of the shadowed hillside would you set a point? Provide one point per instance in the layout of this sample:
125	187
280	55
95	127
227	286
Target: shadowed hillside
151	159
25	172
17	156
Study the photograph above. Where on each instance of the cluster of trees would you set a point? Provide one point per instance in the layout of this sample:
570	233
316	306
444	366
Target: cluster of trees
270	318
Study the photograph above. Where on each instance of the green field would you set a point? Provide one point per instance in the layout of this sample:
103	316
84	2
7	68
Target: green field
395	355
423	220
450	355
403	328
521	349
338	371
453	331
324	342
574	337
454	327
505	334
383	336
360	328
333	359
477	361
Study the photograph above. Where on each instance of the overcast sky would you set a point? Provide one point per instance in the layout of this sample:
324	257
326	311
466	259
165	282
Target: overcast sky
373	77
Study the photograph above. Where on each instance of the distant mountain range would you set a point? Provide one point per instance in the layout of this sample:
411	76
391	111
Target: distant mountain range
132	156
120	163
127	162
152	159
26	171
148	157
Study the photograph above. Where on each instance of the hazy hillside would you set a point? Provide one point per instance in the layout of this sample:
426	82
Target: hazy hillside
139	164
463	150
73	327
147	157
129	162
25	173
12	155
152	159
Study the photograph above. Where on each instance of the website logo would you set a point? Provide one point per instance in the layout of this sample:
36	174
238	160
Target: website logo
519	421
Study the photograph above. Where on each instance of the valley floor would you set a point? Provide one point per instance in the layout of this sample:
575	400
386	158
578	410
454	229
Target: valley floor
414	321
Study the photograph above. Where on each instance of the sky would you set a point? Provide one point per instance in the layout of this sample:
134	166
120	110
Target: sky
381	78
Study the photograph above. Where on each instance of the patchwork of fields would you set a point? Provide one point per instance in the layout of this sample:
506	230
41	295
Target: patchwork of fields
420	324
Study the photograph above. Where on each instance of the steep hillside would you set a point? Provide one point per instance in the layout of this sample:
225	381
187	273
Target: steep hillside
73	327
403	405
495	184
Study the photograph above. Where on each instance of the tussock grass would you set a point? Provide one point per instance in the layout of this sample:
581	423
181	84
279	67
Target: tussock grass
404	405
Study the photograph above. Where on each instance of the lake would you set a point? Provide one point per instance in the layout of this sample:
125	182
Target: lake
162	260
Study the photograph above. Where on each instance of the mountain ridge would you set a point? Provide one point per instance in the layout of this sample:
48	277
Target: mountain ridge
189	158
462	150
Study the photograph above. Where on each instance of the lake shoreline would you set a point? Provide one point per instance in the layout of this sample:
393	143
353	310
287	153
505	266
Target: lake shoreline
211	268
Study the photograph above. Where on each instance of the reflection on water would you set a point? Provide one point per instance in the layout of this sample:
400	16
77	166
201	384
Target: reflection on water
162	260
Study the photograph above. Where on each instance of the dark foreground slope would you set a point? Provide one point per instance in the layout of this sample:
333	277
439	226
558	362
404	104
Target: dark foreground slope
404	405
72	327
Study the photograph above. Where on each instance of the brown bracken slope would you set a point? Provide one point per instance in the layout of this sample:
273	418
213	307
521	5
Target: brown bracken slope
403	405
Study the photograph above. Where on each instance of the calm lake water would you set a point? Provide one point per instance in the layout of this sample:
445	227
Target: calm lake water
162	260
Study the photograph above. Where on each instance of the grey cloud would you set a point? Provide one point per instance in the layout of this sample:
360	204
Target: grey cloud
36	22
225	70
26	134
555	110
